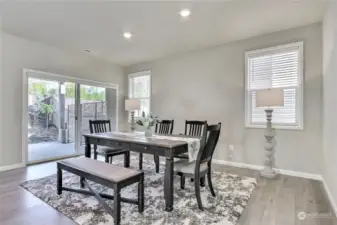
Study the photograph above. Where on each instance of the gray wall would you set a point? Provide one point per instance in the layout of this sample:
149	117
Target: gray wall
209	85
19	53
111	106
330	98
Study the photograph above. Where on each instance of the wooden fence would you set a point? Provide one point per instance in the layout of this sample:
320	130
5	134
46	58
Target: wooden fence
89	111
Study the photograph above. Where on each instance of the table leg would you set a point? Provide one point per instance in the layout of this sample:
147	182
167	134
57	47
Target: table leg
87	153
168	184
127	160
156	162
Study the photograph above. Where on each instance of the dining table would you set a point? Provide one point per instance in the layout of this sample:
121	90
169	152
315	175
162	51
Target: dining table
167	146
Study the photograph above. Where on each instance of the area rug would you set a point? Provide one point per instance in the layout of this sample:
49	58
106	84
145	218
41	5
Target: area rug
232	195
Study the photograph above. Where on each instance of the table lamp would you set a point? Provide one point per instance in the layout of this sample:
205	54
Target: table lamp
131	105
269	99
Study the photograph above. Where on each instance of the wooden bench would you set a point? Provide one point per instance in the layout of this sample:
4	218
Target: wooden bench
111	176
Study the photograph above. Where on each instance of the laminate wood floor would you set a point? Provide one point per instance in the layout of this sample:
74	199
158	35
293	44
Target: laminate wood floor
274	202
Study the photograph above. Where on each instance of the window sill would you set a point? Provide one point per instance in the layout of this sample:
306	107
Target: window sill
277	127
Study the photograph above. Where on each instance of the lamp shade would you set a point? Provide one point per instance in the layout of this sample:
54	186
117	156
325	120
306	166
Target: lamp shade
132	104
270	98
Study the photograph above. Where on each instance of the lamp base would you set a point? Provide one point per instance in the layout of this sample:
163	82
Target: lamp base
132	127
268	173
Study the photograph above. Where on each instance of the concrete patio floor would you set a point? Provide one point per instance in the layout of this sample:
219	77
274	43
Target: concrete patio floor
48	150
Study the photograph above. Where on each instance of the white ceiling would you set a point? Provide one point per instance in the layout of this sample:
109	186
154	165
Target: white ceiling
157	28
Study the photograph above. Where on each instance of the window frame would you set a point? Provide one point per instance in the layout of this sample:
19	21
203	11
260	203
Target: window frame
300	88
130	91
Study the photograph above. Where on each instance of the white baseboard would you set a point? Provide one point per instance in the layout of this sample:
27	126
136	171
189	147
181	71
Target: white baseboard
237	164
284	172
12	167
328	193
280	171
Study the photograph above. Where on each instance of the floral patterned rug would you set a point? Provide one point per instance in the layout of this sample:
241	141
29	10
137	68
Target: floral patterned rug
232	195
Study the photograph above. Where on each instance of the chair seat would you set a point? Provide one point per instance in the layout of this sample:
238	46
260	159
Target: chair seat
184	166
110	151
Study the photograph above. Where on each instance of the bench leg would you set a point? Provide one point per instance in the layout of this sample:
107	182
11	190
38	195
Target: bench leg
141	194
82	182
59	180
140	161
106	159
117	206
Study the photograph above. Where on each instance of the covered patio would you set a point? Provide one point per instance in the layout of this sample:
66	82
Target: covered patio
50	150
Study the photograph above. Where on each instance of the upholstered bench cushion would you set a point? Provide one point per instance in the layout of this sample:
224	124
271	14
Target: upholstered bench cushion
184	166
101	169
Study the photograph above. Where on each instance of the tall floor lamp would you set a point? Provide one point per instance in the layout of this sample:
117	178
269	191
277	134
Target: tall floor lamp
269	99
131	105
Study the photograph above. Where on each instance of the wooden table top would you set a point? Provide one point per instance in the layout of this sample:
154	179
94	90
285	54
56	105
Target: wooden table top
139	138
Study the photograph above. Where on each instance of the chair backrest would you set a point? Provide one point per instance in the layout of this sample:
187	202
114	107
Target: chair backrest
99	126
164	127
195	128
206	154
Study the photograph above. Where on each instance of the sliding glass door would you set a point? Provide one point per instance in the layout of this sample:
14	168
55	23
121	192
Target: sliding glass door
96	103
49	135
59	109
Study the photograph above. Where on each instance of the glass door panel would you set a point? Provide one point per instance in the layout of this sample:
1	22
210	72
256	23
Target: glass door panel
50	130
96	103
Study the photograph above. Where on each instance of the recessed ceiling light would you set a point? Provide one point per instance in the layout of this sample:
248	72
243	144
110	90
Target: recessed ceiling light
185	13
127	35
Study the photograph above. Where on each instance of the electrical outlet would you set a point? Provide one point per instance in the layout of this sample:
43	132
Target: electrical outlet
231	153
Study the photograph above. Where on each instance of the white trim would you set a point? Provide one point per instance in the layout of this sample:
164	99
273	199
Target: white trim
292	173
276	126
237	164
280	171
59	77
54	77
24	126
329	195
140	74
300	95
12	167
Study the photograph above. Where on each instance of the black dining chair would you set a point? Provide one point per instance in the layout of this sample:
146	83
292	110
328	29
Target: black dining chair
202	166
162	127
194	128
102	126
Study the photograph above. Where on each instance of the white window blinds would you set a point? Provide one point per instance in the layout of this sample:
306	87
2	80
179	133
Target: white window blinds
140	88
279	67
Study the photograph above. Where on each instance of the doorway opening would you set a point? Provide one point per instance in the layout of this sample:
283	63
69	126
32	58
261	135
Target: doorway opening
57	114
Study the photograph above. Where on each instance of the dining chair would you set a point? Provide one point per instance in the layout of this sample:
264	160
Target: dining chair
194	128
162	127
102	126
202	166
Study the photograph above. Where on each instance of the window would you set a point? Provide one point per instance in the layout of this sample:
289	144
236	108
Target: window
277	67
140	88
